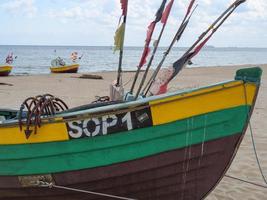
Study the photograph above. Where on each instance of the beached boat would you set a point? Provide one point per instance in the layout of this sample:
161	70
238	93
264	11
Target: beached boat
73	68
172	146
5	70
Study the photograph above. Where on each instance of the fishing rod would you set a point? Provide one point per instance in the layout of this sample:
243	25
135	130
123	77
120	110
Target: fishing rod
164	21
177	37
199	44
146	50
124	6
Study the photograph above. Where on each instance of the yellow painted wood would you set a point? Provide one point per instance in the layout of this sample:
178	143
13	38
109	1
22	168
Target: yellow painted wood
5	68
47	133
202	101
64	68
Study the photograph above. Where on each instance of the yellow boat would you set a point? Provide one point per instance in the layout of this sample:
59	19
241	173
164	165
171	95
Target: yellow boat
5	70
65	69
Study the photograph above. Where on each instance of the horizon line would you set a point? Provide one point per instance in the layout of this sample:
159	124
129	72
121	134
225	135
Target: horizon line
49	45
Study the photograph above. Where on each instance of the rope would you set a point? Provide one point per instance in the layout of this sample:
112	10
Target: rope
255	152
253	141
245	181
51	185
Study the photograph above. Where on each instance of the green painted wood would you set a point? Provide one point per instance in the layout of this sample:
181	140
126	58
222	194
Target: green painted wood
249	74
105	150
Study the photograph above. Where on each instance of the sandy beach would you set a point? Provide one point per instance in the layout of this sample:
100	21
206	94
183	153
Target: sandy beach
75	92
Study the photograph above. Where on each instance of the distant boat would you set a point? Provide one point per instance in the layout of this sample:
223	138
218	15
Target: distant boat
73	68
58	65
5	70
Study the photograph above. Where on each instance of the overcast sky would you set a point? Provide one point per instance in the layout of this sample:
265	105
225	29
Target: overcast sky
93	22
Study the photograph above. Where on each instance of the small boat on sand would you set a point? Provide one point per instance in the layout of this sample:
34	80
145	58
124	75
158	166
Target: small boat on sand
5	70
73	68
58	65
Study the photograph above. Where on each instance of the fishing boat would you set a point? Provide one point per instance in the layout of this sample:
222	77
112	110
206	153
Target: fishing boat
160	146
172	146
58	65
5	70
73	68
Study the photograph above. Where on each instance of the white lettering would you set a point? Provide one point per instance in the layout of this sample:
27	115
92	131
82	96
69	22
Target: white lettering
97	127
77	133
108	121
127	118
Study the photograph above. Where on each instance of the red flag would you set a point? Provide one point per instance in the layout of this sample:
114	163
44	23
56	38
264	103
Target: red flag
190	7
146	51
160	85
200	46
150	30
144	56
124	6
166	12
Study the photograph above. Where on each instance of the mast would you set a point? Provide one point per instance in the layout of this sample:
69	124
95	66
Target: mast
119	38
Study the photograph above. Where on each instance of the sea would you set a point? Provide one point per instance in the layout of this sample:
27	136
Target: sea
37	59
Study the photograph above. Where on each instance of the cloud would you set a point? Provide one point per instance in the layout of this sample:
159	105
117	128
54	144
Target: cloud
20	6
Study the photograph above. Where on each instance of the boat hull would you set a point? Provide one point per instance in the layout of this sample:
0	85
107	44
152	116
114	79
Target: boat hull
5	70
65	69
169	147
179	174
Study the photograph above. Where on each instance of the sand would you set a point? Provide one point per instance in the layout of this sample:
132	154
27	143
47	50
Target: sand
75	92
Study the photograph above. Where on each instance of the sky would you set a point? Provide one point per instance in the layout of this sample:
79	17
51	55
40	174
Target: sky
93	22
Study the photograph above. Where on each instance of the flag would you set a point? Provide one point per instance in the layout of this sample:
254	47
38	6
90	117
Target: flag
180	63
150	30
144	56
160	85
160	11
119	37
124	6
146	50
166	12
201	45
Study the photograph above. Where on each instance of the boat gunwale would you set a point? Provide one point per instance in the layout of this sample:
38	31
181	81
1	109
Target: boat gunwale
130	106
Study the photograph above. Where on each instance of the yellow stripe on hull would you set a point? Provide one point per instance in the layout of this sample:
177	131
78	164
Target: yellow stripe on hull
62	69
169	109
47	133
211	99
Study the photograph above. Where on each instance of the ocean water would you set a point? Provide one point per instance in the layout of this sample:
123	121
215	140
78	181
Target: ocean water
37	59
